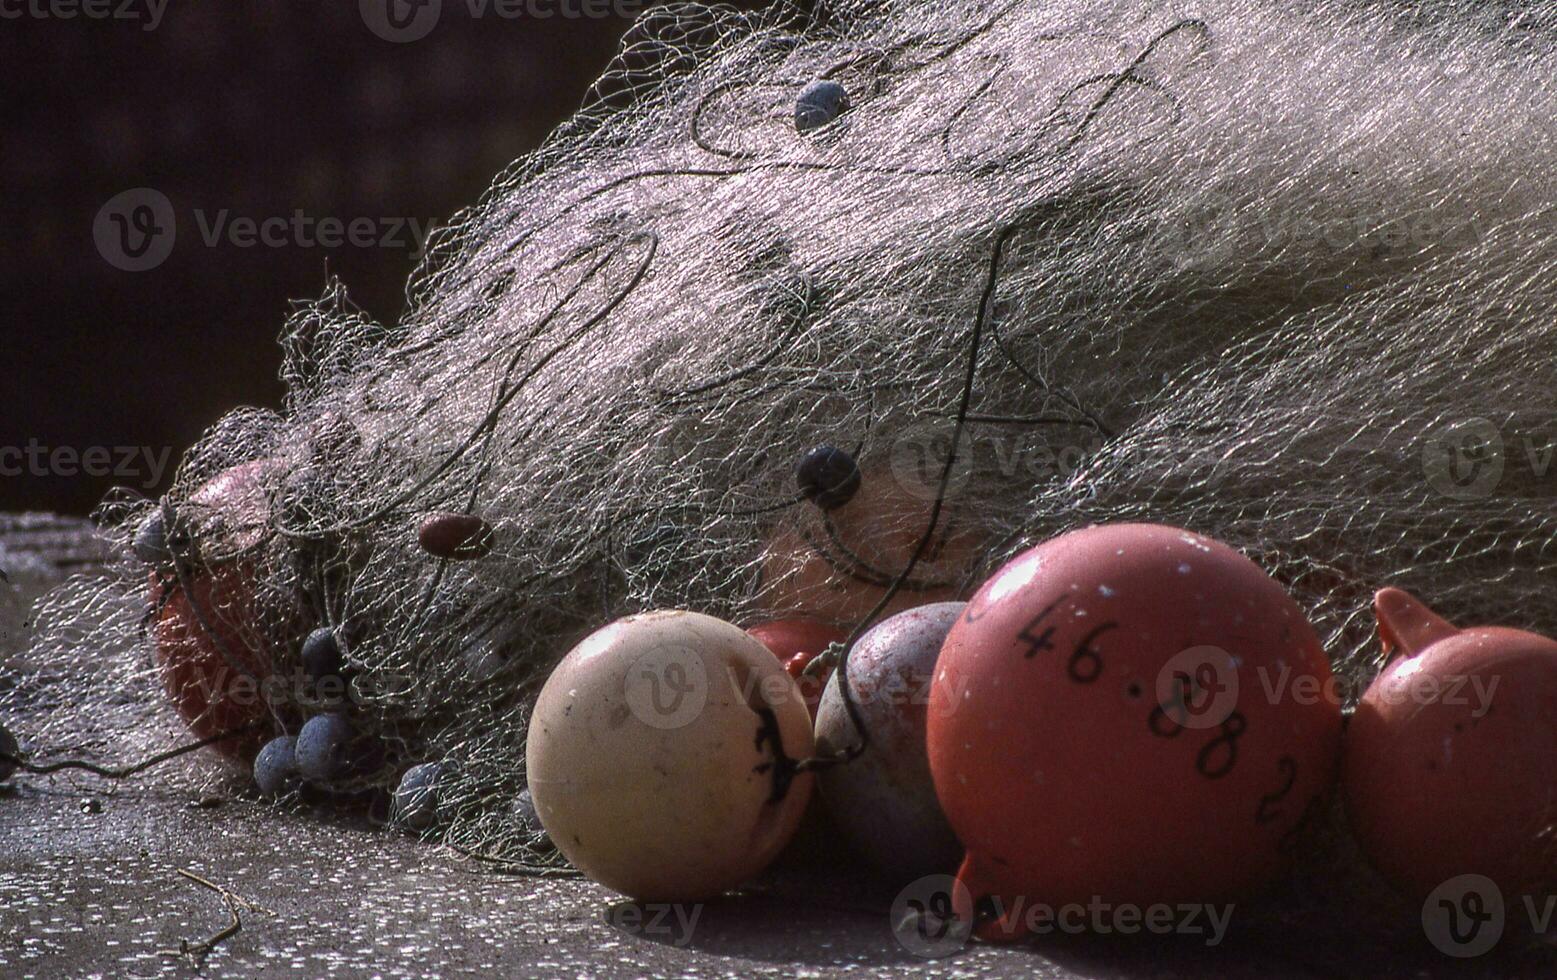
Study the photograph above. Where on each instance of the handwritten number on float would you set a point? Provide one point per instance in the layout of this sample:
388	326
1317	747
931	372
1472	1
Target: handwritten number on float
1268	810
1040	642
1085	664
1167	719
1221	753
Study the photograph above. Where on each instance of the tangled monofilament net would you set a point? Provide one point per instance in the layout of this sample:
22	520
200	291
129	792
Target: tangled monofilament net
1284	276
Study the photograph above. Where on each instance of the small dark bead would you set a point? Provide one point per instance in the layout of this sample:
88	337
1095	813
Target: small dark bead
828	477
820	102
324	748
322	655
456	537
275	768
416	800
151	540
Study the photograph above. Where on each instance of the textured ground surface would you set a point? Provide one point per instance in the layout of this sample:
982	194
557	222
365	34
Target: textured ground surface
90	886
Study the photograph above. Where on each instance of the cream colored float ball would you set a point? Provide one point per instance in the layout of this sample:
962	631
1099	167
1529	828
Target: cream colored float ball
661	756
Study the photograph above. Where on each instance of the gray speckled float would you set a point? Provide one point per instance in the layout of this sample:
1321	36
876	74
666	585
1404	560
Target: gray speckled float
885	801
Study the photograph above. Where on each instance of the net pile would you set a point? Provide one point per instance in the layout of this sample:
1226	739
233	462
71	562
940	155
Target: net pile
1284	276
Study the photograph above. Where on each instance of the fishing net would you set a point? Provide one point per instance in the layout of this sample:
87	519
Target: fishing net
1282	274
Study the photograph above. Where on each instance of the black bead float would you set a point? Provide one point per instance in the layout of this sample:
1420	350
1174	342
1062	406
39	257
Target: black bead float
323	748
322	656
151	540
828	477
415	805
820	102
275	768
456	537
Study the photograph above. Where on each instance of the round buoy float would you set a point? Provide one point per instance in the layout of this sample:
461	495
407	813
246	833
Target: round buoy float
212	648
1451	757
837	558
883	800
663	753
1128	713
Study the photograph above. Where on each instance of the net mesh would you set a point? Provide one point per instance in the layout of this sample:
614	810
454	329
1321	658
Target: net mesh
1282	274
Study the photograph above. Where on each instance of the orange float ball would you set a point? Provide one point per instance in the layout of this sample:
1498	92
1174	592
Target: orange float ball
835	564
797	642
1451	757
1128	713
209	648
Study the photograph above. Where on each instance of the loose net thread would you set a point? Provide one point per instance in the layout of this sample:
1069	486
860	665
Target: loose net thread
1260	269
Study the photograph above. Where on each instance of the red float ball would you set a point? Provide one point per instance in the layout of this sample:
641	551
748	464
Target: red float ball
1451	757
837	564
210	647
797	642
1132	714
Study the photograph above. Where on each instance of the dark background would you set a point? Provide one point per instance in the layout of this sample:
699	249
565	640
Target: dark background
260	107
